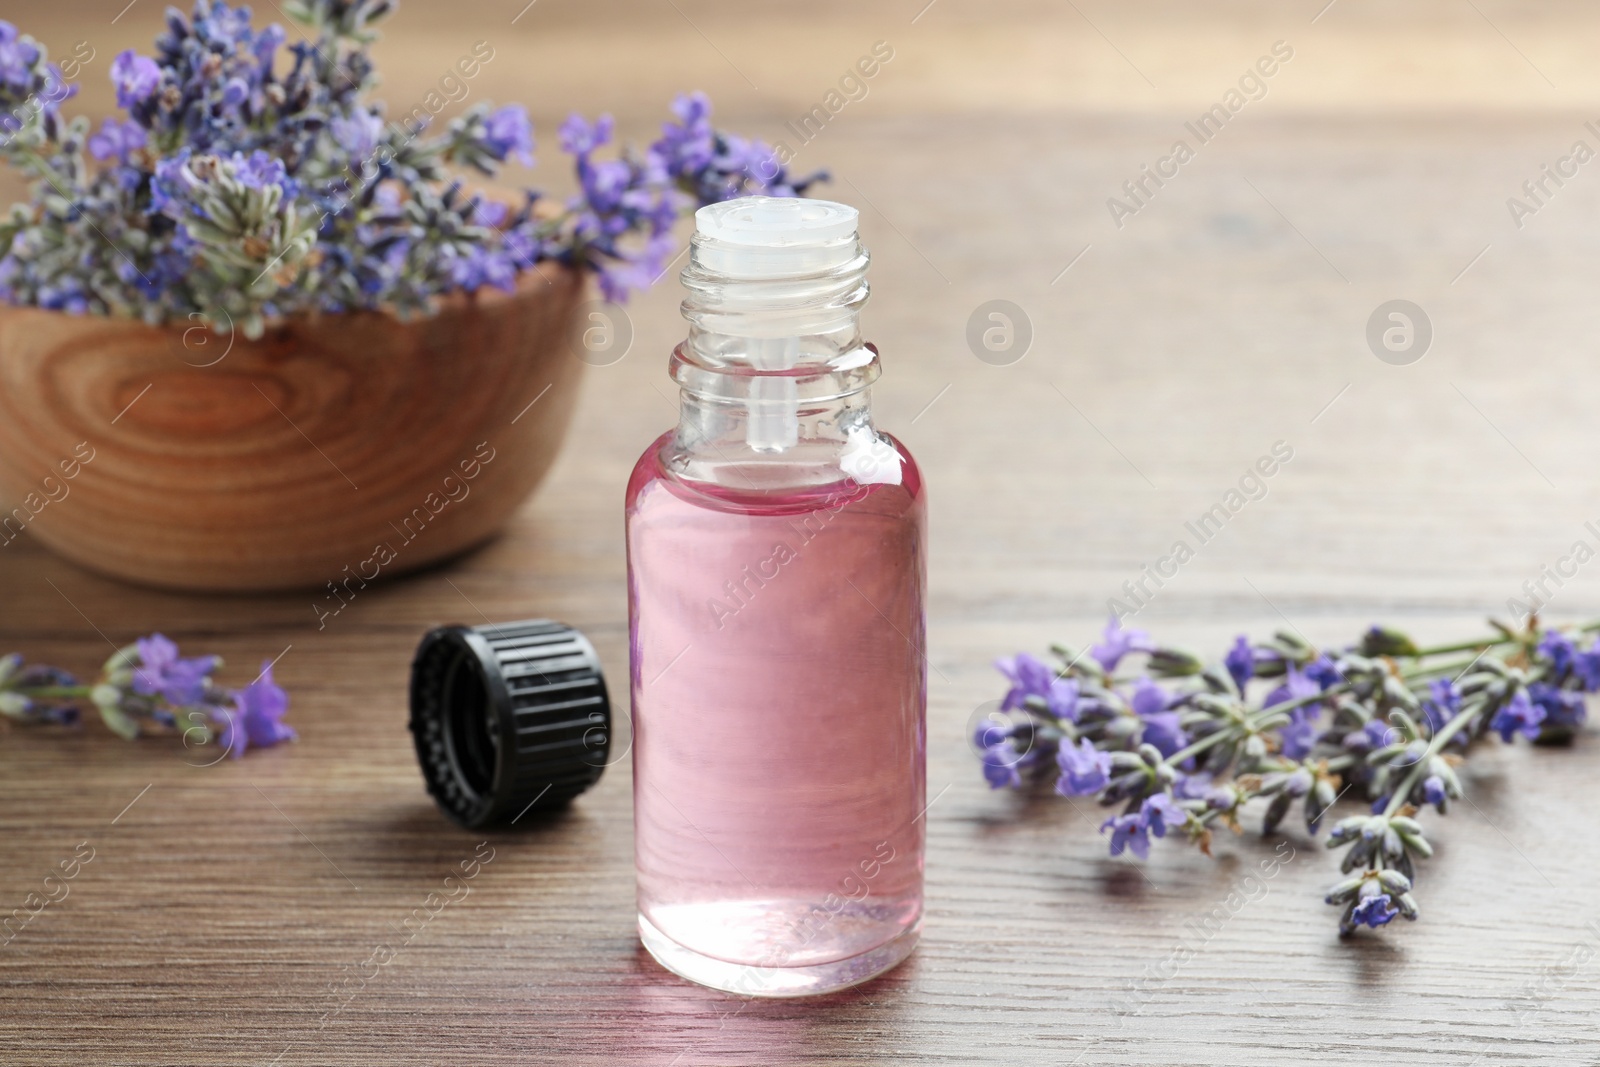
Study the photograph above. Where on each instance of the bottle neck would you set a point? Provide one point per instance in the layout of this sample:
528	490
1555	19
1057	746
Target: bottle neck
774	376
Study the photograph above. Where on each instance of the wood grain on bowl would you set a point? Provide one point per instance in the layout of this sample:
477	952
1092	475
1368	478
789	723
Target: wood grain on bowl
335	449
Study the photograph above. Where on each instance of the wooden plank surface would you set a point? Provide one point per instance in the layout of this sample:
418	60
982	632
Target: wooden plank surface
228	913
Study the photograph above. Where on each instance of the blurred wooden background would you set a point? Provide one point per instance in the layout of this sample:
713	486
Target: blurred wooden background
1226	315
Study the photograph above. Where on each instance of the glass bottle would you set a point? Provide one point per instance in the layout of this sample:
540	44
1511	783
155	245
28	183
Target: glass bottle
776	580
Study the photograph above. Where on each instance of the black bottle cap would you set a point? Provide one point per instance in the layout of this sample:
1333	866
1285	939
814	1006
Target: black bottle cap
508	718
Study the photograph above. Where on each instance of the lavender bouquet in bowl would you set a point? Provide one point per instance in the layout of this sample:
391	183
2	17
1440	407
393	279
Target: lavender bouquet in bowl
292	327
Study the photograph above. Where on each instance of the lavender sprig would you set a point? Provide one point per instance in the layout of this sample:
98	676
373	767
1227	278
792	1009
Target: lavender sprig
249	180
147	687
1181	746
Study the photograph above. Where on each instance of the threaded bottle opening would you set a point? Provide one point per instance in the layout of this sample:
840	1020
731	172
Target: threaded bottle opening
775	267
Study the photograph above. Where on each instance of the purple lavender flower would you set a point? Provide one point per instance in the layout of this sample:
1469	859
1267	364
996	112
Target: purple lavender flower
1556	647
688	145
172	184
510	134
1085	770
267	43
1163	730
1240	661
1324	672
606	184
1131	831
478	267
1374	735
1561	707
162	672
235	92
223	25
136	78
753	160
1199	786
524	246
1116	643
1442	703
1030	677
1000	766
17	58
1519	715
1433	791
1149	698
490	213
1587	667
1374	910
64	294
1300	733
638	271
1128	831
259	170
579	138
117	140
1163	814
256	717
1160	727
1296	686
1006	746
357	133
716	166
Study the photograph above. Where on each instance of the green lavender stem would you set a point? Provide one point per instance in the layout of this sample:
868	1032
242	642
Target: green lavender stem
1463	646
1485	643
1435	746
57	692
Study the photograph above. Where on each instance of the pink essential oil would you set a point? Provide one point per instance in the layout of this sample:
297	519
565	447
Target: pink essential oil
776	573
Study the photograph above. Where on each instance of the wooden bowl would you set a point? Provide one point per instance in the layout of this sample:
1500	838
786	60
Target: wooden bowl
338	449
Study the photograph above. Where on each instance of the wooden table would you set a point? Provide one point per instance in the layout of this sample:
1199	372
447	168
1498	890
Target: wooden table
227	906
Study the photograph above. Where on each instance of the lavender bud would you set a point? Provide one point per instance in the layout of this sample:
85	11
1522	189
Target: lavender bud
1219	680
1418	844
1346	830
1274	783
1356	857
1394	881
1293	644
1386	641
1174	663
1275	812
1396	691
1317	804
1345	890
1121	729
